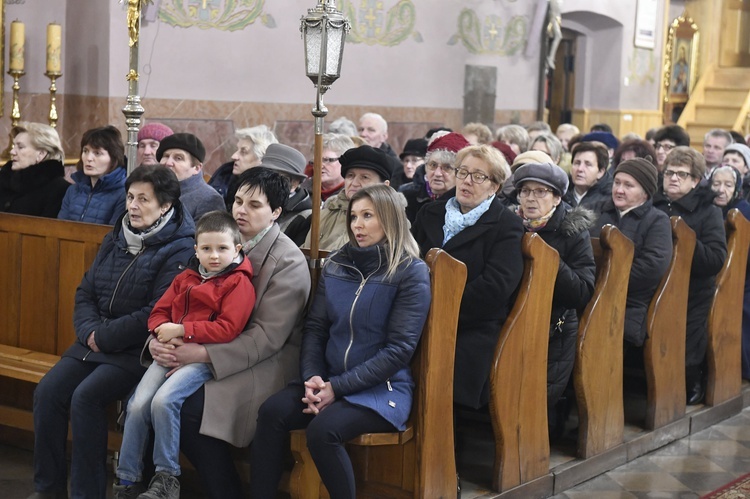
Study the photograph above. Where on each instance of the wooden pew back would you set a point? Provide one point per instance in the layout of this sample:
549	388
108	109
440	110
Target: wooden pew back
518	380
664	349
420	461
725	317
47	259
598	370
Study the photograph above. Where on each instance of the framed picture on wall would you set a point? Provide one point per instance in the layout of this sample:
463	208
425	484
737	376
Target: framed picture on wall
680	66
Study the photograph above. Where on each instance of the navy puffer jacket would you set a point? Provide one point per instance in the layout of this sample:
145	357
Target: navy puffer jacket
104	204
119	290
362	329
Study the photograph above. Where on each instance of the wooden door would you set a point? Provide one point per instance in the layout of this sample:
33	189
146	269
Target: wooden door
735	37
561	82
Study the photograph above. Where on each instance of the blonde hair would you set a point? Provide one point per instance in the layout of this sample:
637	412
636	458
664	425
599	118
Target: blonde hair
514	134
499	169
482	131
390	208
41	137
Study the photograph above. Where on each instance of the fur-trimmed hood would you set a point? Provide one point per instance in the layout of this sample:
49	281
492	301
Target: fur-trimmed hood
576	220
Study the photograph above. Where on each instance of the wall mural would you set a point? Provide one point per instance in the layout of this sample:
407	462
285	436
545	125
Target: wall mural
372	24
224	15
489	36
643	66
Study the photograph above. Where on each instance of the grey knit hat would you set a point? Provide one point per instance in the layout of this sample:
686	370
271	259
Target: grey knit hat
742	150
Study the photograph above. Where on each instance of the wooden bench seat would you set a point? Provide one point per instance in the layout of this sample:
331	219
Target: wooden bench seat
23	364
725	318
518	380
598	370
420	461
664	349
47	258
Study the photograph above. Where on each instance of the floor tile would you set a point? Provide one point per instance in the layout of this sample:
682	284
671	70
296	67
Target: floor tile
648	481
682	464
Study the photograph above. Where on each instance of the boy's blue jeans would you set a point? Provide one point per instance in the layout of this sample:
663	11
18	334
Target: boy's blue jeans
157	402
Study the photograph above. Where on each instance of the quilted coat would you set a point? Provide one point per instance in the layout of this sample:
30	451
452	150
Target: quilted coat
119	290
102	204
363	328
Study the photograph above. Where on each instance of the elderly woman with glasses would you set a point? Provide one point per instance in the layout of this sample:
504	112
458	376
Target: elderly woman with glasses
539	189
474	227
436	179
685	197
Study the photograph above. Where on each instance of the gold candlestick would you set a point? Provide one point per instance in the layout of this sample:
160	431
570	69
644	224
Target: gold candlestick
52	97
15	114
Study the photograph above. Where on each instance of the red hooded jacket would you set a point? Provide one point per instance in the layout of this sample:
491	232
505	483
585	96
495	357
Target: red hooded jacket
213	310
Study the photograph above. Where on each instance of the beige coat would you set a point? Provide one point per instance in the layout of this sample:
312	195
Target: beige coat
265	357
333	234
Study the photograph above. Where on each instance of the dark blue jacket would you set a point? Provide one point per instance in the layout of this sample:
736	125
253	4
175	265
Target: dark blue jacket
362	329
651	233
104	204
225	183
119	290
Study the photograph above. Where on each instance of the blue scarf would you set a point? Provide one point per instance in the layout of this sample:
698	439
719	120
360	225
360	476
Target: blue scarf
455	221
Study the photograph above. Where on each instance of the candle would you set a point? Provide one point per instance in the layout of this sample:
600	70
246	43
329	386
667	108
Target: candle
17	32
54	48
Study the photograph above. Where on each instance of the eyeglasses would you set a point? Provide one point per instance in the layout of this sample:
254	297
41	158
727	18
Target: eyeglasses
680	175
329	160
666	147
538	193
476	177
434	165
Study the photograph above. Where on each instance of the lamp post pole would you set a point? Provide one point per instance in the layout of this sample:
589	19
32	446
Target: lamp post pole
323	29
133	109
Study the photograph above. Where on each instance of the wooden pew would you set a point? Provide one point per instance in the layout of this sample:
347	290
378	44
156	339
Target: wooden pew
725	318
418	462
664	349
46	261
518	380
598	370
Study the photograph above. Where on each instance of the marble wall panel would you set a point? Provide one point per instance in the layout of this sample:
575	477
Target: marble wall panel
216	121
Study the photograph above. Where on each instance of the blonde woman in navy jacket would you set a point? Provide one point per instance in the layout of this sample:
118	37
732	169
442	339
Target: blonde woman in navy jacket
364	324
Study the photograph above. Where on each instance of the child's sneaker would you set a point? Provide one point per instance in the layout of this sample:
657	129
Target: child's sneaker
128	491
162	486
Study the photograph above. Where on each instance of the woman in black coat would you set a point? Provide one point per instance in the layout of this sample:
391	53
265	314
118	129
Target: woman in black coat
683	196
539	189
33	181
630	209
475	228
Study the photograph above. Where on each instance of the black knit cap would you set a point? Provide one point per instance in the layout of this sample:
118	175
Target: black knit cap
643	171
184	141
367	157
414	147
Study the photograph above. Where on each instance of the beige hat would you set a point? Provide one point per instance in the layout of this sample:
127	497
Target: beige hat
530	157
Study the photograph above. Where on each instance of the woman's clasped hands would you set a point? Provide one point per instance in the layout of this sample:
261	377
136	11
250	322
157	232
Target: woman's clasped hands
318	395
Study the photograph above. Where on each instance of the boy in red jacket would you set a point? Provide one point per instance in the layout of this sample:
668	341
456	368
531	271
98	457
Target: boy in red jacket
210	302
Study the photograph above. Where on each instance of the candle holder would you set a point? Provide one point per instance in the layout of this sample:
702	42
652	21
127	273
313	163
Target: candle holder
52	97
15	114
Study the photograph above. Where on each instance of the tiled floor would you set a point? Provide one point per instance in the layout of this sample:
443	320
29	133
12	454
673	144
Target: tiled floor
684	469
687	468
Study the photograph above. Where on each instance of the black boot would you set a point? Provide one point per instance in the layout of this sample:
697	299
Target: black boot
696	390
